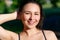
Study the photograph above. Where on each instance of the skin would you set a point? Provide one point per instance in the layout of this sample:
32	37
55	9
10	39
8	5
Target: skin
30	17
7	35
7	17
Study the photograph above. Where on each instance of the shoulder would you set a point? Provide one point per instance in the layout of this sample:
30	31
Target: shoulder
7	34
50	35
2	30
48	32
13	35
7	31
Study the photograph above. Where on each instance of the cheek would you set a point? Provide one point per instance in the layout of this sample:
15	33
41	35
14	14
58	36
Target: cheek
26	17
37	18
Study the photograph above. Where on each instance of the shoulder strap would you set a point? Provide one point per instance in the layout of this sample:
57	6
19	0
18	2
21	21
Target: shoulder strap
44	35
19	36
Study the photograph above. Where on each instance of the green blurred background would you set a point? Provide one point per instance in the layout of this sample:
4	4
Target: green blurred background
51	11
7	6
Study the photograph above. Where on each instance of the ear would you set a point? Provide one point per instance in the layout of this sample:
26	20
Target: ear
19	16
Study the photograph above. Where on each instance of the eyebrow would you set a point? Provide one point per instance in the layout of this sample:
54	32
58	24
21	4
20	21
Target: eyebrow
30	11
26	11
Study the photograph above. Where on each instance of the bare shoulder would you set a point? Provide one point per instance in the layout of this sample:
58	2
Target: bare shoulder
7	31
14	36
50	35
7	34
49	32
2	30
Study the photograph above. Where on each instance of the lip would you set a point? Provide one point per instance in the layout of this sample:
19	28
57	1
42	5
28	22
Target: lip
31	22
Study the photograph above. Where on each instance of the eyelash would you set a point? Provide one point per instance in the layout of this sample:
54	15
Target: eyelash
26	13
36	14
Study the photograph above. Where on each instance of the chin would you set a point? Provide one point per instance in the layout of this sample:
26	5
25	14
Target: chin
31	26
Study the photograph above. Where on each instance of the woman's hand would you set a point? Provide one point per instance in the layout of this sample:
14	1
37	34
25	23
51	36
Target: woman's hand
7	17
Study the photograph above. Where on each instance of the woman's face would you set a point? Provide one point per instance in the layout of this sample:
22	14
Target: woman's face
30	15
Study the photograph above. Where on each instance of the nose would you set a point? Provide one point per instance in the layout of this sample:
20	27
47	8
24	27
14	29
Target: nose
31	17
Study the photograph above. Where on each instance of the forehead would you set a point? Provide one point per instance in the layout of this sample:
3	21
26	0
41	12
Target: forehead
31	7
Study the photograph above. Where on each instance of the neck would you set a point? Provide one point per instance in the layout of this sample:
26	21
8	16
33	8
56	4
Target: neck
31	31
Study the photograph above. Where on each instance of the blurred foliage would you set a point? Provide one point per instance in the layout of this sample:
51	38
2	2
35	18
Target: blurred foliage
5	9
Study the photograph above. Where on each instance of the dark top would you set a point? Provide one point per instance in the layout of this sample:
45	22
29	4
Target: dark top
42	32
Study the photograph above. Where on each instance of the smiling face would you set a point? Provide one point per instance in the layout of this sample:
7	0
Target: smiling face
30	15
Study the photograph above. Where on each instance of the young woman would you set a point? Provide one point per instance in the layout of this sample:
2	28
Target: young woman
30	13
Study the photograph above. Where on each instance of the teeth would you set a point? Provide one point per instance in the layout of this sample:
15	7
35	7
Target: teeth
30	22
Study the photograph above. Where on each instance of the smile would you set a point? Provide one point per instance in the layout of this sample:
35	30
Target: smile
31	22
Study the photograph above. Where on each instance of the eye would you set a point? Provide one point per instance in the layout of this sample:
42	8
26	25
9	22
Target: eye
26	13
36	14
